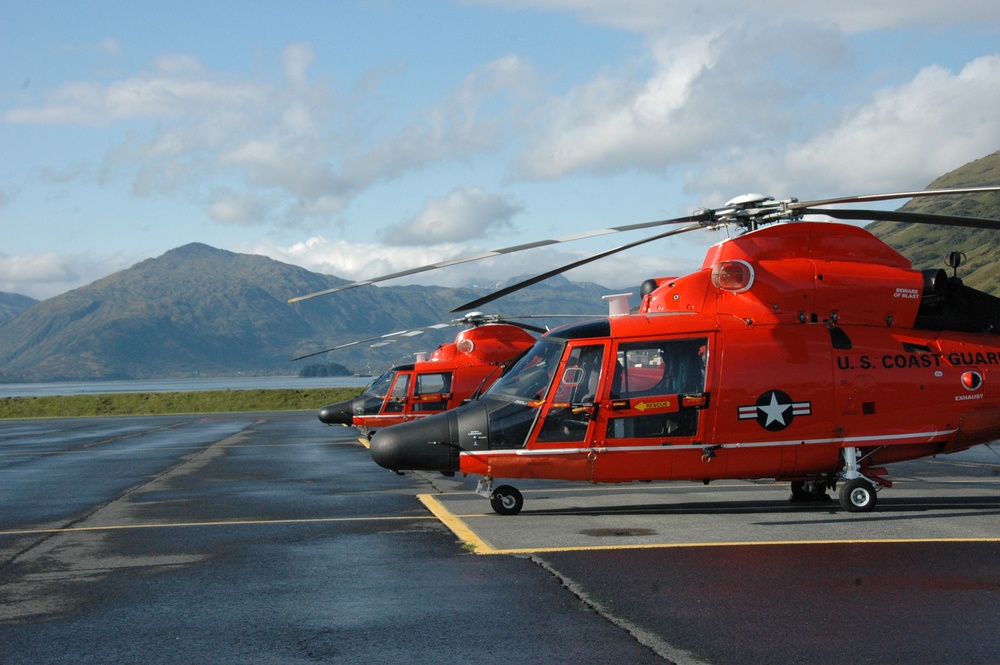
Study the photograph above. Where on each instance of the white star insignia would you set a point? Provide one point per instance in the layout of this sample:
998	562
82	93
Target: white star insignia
775	411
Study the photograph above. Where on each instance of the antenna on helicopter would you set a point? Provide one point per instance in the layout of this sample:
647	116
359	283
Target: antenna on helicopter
955	260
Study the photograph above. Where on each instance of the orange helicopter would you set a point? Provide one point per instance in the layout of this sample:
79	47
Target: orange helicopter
804	351
451	375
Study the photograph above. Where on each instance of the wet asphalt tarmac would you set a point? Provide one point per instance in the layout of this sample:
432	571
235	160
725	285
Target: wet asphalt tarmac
270	538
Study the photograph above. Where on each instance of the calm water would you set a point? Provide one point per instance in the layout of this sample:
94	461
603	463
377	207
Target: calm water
178	385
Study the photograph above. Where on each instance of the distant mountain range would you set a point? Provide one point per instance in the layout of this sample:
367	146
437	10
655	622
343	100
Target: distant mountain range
12	304
201	311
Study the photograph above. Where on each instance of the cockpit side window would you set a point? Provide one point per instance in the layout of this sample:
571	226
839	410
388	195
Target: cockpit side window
397	400
570	412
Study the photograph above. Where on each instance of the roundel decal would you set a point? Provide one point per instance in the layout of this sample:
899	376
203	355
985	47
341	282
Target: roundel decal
774	410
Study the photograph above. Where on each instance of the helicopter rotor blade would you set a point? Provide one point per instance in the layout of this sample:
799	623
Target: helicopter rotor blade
576	264
380	340
699	216
472	319
910	217
741	211
510	320
478	318
868	198
527	326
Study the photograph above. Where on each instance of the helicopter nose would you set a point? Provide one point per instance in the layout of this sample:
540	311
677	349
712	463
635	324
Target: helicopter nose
418	445
341	413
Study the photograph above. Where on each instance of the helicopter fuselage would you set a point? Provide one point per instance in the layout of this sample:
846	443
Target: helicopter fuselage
800	351
450	376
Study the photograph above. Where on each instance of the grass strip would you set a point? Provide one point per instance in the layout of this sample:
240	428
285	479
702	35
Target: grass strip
145	404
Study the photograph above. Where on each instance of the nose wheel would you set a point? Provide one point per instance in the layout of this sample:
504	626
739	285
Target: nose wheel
505	500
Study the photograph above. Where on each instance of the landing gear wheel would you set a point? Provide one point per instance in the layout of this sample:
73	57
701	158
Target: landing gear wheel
506	500
858	496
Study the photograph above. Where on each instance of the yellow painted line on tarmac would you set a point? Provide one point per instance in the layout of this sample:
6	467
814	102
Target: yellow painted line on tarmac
175	525
457	526
762	543
479	545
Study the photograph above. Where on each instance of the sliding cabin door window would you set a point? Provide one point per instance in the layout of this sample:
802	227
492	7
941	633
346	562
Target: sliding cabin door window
432	391
649	380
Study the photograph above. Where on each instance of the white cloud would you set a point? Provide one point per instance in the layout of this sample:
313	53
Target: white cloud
291	137
703	95
682	16
239	208
478	117
107	46
272	134
296	60
464	214
735	110
353	260
902	137
614	124
917	131
178	87
48	274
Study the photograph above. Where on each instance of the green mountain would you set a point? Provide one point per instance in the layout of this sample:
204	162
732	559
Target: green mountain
928	246
201	311
12	304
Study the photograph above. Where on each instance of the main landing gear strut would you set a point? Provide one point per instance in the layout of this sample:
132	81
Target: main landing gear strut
505	500
858	492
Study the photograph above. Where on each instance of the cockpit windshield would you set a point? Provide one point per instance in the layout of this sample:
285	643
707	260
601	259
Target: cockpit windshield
380	386
530	378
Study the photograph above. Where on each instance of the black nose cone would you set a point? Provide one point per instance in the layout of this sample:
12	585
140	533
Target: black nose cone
419	445
341	413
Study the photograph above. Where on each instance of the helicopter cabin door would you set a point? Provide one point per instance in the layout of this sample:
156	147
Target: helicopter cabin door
568	411
651	409
396	399
417	394
431	392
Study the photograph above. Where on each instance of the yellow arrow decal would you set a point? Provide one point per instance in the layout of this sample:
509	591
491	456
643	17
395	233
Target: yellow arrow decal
642	406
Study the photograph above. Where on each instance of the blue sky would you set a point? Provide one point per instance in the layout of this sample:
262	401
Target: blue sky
358	138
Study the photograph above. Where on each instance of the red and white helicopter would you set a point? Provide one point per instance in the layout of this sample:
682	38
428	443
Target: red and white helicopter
451	375
805	351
